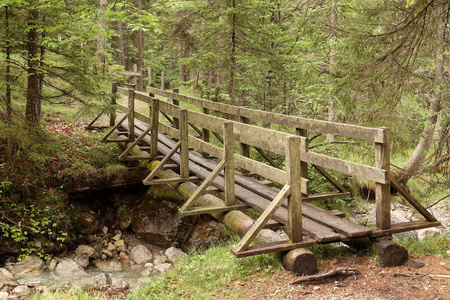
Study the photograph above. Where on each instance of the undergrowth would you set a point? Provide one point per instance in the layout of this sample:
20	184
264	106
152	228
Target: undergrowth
438	244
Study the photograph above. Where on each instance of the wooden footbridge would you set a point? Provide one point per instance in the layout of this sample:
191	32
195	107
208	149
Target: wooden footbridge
202	140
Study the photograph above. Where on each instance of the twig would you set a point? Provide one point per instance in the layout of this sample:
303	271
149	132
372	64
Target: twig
433	204
337	271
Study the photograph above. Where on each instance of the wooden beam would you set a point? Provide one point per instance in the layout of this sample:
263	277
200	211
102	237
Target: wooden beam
293	172
213	209
184	149
130	114
273	248
154	127
166	158
382	189
110	131
228	157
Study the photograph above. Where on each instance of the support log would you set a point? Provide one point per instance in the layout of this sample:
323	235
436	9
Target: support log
391	253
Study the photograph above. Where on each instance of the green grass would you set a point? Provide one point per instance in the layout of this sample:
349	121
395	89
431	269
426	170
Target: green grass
438	244
204	275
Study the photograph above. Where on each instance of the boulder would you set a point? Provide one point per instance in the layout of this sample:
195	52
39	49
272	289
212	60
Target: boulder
29	266
6	278
5	274
160	224
81	259
85	249
69	268
426	233
98	281
173	254
4	295
205	234
21	291
120	284
124	259
140	254
111	265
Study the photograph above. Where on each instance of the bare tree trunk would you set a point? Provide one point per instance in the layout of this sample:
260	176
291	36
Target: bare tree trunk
332	61
121	58
33	106
140	46
431	126
101	41
180	64
233	54
8	67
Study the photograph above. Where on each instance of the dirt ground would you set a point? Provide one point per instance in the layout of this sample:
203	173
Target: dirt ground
430	282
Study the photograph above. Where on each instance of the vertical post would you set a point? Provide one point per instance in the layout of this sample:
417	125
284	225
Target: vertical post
228	157
382	191
176	122
162	80
293	171
151	96
304	165
112	116
245	149
130	114
135	80
149	71
184	151
154	130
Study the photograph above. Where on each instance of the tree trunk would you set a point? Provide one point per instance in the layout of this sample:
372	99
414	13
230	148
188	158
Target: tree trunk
426	140
332	62
121	58
233	54
101	41
140	46
33	106
7	67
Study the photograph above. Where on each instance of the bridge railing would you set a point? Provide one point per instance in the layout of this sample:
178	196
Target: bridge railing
266	139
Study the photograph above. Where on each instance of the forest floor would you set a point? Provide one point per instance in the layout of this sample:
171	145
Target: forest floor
430	282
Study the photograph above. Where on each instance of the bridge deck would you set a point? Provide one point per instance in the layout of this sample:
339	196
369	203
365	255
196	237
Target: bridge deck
318	224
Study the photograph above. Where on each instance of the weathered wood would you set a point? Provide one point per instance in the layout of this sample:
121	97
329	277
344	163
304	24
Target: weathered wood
301	260
228	157
293	171
391	253
346	130
382	189
323	196
112	116
213	209
171	180
298	264
330	178
166	158
184	149
149	72
163	80
123	155
130	100
154	127
304	165
176	121
347	167
245	149
403	227
336	272
413	201
262	220
110	131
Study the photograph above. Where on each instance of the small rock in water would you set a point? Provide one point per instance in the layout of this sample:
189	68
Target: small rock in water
161	259
148	265
147	272
5	274
124	259
4	295
98	281
108	265
140	254
85	249
29	266
82	260
104	257
52	265
173	254
69	268
162	267
121	284
21	290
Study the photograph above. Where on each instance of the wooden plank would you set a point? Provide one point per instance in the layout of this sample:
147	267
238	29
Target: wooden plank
375	174
413	201
348	228
171	180
228	157
155	127
273	248
323	196
346	130
122	108
293	171
250	235
131	114
403	227
123	91
184	150
382	189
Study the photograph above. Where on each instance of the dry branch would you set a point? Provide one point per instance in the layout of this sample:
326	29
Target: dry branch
335	272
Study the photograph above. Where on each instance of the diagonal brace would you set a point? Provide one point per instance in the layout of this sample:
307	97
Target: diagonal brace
114	128
128	150
162	163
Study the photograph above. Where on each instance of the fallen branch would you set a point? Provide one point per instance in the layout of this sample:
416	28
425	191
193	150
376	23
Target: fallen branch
335	272
439	276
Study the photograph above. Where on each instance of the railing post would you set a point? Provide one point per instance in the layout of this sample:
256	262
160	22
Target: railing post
154	130
228	157
184	151
304	165
112	115
245	149
176	122
150	84
162	80
382	191
149	71
130	114
293	172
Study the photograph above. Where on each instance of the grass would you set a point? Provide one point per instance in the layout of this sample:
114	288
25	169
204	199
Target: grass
438	244
205	275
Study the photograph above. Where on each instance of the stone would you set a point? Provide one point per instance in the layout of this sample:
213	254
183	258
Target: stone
98	281
118	236
69	268
88	221
111	247
4	295
426	233
105	229
52	265
111	265
85	249
6	278
161	259
81	259
148	265
21	290
5	274
160	223
174	254
29	266
413	264
140	254
41	289
124	259
162	267
205	234
147	271
125	221
120	284
120	244
107	253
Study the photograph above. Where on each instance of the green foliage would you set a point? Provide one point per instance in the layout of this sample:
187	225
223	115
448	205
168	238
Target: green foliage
438	244
205	274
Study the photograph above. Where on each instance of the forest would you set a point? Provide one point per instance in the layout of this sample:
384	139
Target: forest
363	62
